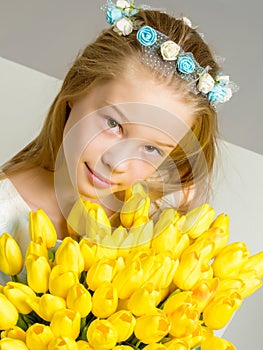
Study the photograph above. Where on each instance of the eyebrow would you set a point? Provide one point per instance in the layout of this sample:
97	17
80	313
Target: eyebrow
123	116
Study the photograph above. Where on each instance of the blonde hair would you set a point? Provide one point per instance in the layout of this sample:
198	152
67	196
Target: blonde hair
107	58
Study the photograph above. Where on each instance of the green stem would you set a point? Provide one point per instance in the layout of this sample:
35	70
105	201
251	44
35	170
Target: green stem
15	278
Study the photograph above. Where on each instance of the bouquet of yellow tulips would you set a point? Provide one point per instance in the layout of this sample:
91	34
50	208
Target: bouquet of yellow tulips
147	285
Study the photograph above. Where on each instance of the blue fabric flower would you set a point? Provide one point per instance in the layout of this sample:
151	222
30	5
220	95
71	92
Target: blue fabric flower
113	15
146	36
185	64
217	94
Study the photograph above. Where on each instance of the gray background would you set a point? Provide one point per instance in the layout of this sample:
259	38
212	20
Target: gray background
46	35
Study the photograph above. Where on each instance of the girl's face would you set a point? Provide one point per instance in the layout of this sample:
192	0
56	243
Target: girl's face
120	132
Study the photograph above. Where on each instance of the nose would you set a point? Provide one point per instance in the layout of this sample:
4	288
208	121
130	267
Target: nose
118	157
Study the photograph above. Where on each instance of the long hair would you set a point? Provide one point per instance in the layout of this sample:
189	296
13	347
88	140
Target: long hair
108	57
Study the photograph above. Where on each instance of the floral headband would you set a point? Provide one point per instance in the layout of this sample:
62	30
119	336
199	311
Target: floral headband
166	56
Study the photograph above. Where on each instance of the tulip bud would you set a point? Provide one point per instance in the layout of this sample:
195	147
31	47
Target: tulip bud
87	219
14	332
79	299
104	300
124	322
11	260
155	346
60	280
128	279
90	251
204	291
37	248
66	323
204	248
250	283
102	271
144	300
11	344
255	263
198	220
38	336
38	272
62	343
152	328
230	260
182	313
217	343
8	313
41	226
134	208
177	344
219	312
139	237
17	294
136	188
189	271
101	334
47	305
83	345
68	254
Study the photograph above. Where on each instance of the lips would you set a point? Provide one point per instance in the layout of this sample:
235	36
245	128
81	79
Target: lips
96	179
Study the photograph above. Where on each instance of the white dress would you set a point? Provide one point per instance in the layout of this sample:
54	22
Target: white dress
14	213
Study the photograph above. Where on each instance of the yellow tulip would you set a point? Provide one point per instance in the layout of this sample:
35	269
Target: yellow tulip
83	345
38	336
128	279
14	332
37	248
124	322
159	269
251	283
62	343
189	271
182	313
155	346
46	305
41	226
87	219
254	263
79	299
204	248
219	312
204	291
138	238
11	344
60	280
17	294
11	260
177	344
217	343
152	328
101	334
134	209
144	300
230	260
90	251
198	220
104	300
68	254
136	188
66	323
38	272
101	271
8	313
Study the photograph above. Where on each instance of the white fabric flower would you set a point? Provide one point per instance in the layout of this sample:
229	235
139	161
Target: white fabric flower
223	78
123	4
187	21
205	83
170	50
123	26
228	95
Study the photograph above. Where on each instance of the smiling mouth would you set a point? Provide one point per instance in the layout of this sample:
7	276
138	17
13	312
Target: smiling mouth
96	179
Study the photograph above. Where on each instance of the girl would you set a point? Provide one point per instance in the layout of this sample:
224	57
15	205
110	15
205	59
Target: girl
138	104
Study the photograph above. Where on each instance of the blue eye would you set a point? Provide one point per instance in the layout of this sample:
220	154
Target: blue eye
112	123
152	149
